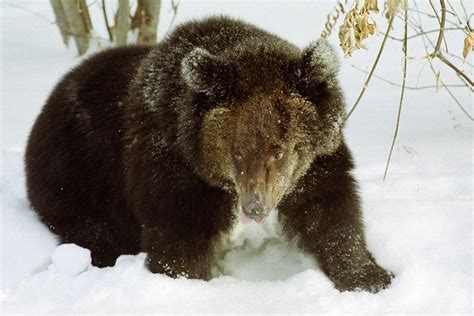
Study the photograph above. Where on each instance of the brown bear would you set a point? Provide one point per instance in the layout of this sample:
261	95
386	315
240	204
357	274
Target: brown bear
159	148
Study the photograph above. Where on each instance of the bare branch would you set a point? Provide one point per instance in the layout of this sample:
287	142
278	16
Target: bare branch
421	71
456	15
426	32
426	38
402	93
407	87
460	72
106	19
442	24
465	12
174	8
460	59
464	29
437	52
366	83
456	101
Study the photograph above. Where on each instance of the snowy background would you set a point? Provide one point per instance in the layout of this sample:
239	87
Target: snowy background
419	221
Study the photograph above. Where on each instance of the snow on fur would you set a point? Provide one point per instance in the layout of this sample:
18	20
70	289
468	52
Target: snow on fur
190	68
324	58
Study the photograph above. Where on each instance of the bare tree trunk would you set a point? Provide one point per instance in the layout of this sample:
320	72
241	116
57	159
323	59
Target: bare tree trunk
77	16
84	10
123	22
137	17
61	20
146	19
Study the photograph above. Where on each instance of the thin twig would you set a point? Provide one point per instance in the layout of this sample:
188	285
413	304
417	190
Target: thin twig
457	15
437	53
372	70
107	21
464	10
411	23
427	32
30	11
421	71
402	93
464	29
466	16
174	8
407	87
456	100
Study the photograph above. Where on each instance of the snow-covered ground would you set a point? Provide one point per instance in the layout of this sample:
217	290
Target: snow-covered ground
419	221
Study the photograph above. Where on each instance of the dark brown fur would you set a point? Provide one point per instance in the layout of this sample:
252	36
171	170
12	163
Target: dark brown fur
135	151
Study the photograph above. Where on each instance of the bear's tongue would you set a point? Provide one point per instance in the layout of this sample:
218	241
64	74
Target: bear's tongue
244	219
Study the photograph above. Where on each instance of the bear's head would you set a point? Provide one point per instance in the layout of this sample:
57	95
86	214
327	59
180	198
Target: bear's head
268	113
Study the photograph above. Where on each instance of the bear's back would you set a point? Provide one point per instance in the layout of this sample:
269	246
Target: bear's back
77	136
219	33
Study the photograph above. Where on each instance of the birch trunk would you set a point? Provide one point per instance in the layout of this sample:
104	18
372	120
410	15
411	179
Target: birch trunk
123	22
77	16
61	20
150	16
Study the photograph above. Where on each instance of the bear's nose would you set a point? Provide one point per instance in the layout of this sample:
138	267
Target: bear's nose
253	209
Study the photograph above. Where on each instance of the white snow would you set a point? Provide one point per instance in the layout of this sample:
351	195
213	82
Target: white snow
70	259
419	221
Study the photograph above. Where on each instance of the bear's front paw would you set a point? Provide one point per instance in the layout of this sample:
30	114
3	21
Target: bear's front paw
371	278
178	268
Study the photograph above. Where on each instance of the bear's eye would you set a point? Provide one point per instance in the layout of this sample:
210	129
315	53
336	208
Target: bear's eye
299	147
278	154
238	156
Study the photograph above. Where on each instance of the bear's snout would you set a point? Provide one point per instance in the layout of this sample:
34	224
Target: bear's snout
254	205
253	209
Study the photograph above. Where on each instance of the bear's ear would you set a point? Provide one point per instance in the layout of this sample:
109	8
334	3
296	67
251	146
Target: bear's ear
314	76
316	69
319	62
206	73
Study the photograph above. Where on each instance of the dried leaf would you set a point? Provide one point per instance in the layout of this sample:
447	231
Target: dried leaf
438	81
468	44
357	26
404	4
348	39
392	6
365	25
371	5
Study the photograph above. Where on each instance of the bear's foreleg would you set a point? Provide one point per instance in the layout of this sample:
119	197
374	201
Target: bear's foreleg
342	254
325	217
170	253
182	224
